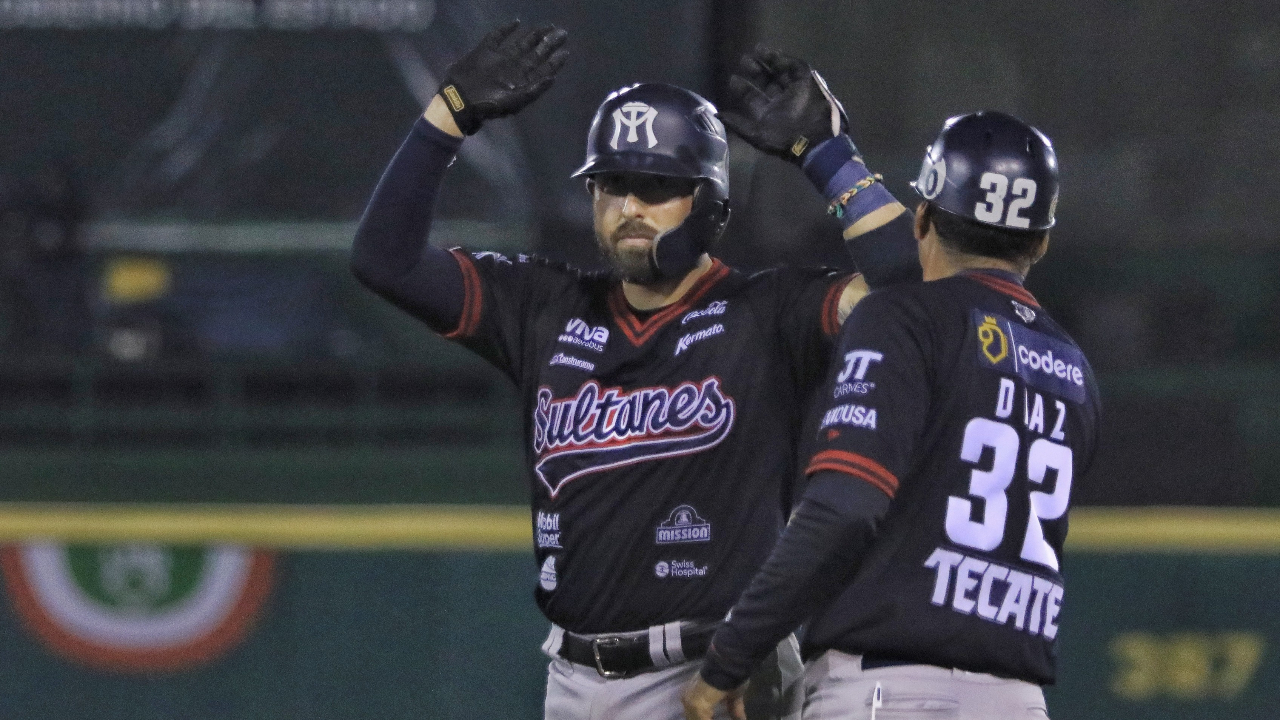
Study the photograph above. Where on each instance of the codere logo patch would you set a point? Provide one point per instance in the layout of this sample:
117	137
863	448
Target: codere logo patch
1043	362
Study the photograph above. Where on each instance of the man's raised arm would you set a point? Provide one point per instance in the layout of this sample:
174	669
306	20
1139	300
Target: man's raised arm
783	107
509	69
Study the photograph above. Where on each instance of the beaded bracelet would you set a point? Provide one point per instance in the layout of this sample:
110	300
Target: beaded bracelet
837	206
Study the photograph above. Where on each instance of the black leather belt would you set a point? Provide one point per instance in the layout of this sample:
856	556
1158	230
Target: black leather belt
628	654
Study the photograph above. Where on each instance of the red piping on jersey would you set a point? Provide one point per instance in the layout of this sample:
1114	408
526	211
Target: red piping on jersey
859	466
1000	285
472	298
639	332
831	306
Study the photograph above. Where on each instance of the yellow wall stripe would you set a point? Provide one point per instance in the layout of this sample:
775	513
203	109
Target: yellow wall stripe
507	528
312	527
1169	529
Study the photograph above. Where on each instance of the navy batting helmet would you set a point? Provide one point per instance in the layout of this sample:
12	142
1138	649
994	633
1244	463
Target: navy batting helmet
992	168
666	130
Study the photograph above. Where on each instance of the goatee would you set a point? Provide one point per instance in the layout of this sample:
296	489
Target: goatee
630	263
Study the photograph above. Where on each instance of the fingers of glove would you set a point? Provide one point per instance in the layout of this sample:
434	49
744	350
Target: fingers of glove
496	37
548	69
526	43
786	66
783	66
750	68
759	69
746	95
551	41
518	41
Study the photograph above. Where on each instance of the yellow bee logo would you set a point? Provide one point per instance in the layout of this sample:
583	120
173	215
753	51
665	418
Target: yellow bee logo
990	334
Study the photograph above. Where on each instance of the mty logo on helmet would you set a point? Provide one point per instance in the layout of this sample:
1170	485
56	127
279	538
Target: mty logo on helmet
1043	362
994	169
660	129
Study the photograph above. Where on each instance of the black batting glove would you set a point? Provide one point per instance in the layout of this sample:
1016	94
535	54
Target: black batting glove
781	105
509	69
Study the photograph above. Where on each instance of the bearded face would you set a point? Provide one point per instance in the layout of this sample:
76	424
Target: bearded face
631	210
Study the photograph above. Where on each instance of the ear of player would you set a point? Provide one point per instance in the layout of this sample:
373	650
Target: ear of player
781	105
992	168
509	69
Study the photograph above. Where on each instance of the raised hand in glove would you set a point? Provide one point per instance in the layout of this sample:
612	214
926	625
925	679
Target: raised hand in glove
509	69
781	105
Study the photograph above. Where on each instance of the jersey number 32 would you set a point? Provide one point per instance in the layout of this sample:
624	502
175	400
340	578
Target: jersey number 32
992	487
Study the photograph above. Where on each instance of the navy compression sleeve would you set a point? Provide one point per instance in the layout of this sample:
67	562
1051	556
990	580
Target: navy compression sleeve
888	255
391	255
817	556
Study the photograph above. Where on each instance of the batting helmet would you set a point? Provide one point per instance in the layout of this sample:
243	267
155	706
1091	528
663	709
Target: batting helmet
992	168
666	130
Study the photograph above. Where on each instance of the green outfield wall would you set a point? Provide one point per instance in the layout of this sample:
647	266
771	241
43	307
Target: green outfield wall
413	611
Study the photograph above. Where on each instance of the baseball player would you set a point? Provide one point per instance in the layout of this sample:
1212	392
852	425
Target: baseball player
661	398
927	549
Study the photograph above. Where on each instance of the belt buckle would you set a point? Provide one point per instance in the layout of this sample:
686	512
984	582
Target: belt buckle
596	643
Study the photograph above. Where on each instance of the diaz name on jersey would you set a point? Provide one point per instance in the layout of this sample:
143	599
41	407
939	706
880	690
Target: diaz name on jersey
968	405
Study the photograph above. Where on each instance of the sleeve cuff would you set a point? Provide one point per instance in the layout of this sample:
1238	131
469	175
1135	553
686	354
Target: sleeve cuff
859	466
826	160
717	676
472	299
831	305
436	136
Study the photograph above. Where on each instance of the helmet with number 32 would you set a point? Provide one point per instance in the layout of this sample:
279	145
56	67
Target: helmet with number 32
994	169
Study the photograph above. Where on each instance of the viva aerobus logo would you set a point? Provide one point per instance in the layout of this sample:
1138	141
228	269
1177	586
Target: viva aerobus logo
137	607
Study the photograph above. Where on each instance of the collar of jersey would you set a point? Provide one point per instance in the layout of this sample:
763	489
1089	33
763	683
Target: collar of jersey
641	331
1003	282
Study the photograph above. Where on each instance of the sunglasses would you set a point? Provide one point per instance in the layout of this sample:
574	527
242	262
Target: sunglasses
646	187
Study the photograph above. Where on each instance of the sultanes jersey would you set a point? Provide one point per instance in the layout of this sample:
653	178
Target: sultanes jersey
656	443
965	403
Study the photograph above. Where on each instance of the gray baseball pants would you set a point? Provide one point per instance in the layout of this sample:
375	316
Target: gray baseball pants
837	688
578	692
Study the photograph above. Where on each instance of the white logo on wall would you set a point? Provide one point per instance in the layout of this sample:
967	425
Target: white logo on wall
633	115
932	177
547	578
684	526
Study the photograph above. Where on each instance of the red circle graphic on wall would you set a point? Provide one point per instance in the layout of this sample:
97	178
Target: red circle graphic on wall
137	607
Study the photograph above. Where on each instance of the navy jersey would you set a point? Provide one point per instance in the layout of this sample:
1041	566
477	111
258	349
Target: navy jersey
964	402
656	443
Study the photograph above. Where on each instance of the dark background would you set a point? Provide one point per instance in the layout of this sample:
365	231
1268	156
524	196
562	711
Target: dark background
231	162
178	193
